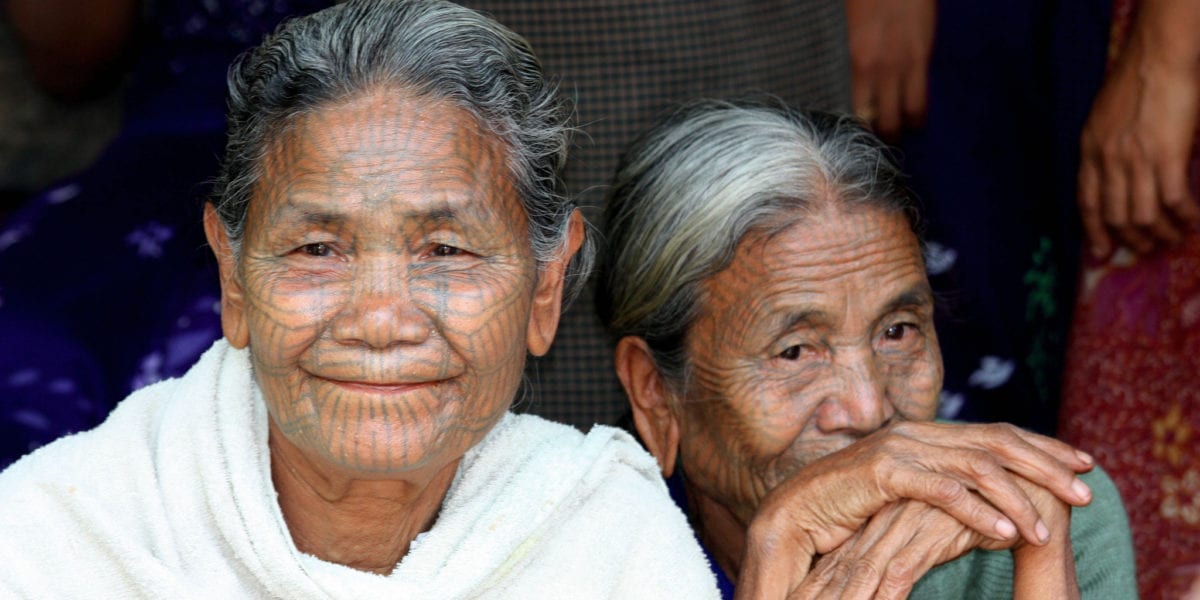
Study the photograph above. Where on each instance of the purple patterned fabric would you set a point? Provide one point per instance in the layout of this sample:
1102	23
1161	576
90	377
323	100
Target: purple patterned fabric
106	284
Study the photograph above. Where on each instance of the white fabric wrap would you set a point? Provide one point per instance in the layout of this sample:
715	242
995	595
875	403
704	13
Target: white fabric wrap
172	498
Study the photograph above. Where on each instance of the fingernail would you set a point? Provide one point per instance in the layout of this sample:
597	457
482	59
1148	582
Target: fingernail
1085	457
1042	531
1005	528
1081	489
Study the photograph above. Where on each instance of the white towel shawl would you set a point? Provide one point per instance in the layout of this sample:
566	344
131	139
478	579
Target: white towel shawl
172	498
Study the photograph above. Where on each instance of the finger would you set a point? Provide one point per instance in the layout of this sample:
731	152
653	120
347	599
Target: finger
887	103
958	500
863	98
1042	460
829	574
1146	214
774	561
916	95
1119	206
878	547
1089	211
1173	187
1131	237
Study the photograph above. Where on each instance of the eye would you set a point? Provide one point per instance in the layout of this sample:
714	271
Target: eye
316	249
444	250
896	332
790	353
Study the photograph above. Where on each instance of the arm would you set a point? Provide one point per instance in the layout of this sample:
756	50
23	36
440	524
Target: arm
971	472
890	45
72	45
1138	137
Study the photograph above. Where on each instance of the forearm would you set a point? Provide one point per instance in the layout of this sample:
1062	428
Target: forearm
1046	571
1169	29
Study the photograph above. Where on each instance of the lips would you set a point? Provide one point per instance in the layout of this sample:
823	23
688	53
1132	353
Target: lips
378	387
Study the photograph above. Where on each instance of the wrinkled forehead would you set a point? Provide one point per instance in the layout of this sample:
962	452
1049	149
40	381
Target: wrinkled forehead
387	149
830	259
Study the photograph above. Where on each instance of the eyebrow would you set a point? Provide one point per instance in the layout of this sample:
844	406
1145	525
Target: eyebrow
918	295
309	213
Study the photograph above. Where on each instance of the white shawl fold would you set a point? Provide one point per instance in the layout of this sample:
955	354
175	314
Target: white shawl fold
172	498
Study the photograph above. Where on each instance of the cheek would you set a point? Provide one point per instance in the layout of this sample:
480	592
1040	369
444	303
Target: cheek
285	317
915	382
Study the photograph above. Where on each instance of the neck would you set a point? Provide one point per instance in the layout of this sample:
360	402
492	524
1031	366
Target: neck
720	531
366	524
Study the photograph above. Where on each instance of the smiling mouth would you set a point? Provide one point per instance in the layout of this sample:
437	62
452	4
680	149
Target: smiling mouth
368	387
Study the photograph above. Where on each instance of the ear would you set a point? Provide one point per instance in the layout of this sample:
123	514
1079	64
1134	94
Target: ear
233	305
656	423
547	295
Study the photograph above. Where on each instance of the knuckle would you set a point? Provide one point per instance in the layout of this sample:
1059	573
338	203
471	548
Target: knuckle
900	574
1173	200
982	465
864	572
947	491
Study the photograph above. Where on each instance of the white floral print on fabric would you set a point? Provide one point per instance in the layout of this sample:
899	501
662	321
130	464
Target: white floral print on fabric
939	258
149	239
992	373
63	193
949	404
12	236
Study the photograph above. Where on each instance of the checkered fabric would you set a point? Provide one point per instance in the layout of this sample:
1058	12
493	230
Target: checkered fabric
626	62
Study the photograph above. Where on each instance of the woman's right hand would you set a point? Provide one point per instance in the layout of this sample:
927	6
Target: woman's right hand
1135	147
972	472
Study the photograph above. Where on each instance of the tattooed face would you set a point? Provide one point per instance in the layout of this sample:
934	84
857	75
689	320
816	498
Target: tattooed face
385	284
812	338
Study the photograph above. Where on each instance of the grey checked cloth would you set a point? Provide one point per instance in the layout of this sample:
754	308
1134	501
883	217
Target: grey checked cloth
625	63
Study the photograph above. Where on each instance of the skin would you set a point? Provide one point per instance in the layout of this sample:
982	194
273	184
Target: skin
387	292
1139	136
815	371
890	45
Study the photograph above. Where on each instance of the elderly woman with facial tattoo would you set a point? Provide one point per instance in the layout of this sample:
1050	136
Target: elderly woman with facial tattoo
391	242
765	282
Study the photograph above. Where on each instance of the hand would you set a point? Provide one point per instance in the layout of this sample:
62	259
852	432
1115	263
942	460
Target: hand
1136	144
972	472
906	539
890	45
887	557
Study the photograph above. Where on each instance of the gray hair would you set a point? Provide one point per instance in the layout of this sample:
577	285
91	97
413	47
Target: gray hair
687	192
432	48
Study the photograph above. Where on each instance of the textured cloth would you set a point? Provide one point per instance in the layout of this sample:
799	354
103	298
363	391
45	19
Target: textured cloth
172	497
627	61
1099	538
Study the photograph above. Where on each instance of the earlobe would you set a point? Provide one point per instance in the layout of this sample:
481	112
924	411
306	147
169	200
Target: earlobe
547	295
233	313
650	401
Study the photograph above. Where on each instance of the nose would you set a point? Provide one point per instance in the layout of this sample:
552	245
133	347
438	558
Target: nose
379	311
859	403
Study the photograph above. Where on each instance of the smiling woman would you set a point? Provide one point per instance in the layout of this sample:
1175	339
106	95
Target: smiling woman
392	243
